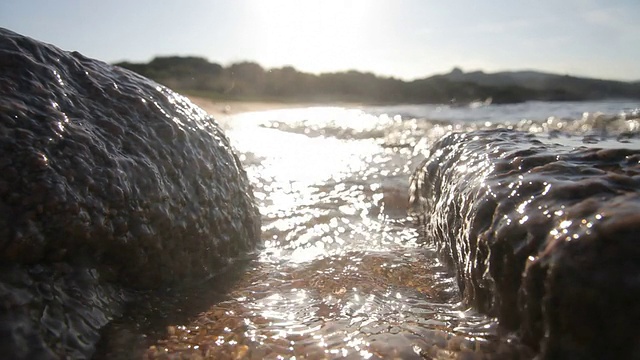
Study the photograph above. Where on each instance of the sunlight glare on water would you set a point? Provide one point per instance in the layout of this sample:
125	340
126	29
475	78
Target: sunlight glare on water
342	273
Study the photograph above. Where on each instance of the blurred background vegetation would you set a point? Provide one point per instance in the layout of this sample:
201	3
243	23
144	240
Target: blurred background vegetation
250	81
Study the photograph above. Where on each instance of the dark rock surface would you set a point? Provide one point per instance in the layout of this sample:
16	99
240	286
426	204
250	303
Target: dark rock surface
545	237
109	183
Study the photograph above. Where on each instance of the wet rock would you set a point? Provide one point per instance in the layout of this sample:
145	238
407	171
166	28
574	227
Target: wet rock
109	184
544	237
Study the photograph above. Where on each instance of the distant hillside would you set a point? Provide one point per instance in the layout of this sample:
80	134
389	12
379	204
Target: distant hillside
574	87
250	81
529	79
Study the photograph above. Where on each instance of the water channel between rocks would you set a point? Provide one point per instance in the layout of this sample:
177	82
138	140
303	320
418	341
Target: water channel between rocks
343	273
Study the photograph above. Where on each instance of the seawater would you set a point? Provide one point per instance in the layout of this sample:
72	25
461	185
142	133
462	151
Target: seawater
343	272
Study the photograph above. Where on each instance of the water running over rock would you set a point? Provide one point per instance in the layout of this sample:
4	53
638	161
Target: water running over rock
543	236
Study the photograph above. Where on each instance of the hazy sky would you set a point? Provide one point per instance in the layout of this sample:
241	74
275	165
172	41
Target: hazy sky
401	38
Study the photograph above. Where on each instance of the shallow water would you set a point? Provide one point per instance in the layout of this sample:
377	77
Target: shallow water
343	272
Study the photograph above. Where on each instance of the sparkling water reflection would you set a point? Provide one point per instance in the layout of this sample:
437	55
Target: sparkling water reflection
342	273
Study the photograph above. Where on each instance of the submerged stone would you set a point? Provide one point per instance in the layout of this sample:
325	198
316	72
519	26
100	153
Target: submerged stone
544	237
109	183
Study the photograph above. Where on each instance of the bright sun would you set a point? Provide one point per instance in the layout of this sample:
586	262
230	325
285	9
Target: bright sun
319	34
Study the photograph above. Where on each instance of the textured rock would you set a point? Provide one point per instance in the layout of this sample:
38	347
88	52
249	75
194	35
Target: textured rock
542	236
109	182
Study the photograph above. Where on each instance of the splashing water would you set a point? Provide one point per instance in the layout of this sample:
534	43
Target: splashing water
343	273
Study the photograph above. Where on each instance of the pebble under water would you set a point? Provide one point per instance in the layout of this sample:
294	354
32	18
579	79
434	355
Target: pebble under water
343	272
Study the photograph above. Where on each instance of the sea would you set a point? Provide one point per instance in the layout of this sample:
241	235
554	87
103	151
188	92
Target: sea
343	272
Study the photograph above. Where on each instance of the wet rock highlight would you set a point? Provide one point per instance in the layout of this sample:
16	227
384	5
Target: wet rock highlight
542	236
109	184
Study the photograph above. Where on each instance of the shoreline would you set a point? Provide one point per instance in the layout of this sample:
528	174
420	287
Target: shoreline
224	109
